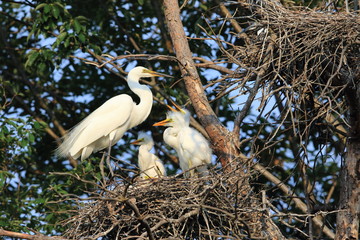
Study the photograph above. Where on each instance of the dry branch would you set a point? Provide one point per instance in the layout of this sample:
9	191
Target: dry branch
36	236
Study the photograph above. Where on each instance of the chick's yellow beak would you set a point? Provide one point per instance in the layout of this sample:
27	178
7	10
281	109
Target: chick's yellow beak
137	141
169	107
163	122
178	109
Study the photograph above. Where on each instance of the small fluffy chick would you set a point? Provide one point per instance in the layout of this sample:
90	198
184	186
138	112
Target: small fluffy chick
150	165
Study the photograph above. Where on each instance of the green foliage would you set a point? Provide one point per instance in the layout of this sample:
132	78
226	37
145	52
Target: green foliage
40	62
17	138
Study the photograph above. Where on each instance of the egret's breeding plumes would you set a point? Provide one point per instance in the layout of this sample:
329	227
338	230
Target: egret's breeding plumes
150	165
107	124
191	146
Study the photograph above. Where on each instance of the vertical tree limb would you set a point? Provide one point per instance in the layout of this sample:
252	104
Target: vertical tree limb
221	138
347	222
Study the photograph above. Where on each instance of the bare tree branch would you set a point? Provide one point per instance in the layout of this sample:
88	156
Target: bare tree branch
37	236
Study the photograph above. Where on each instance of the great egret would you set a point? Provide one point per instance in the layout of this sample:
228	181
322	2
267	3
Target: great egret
191	146
107	124
149	164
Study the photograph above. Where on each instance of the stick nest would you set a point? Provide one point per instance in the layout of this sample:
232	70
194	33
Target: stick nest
301	39
171	208
300	56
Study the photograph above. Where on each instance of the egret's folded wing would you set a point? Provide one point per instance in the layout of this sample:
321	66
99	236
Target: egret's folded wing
113	114
194	145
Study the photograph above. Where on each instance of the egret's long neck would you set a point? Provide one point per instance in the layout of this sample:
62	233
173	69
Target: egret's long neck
143	109
145	156
147	147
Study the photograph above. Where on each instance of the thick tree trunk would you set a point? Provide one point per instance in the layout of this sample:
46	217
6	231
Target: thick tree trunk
347	225
221	138
348	217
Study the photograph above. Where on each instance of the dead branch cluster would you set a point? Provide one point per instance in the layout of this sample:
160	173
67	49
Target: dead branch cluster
173	207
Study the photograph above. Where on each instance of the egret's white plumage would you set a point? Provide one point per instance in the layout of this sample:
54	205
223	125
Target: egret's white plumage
191	146
150	165
107	124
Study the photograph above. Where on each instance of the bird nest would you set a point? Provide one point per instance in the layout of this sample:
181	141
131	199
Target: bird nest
286	40
300	56
218	205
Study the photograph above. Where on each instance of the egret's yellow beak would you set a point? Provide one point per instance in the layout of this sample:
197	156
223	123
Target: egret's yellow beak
163	122
178	109
137	141
156	74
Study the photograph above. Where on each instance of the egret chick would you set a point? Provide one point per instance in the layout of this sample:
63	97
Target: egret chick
149	164
191	146
107	124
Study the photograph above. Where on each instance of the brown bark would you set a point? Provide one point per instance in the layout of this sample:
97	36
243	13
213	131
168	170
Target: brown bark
221	138
347	224
348	218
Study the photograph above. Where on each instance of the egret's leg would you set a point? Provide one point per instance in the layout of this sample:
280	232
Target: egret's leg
86	151
102	168
192	171
203	171
108	159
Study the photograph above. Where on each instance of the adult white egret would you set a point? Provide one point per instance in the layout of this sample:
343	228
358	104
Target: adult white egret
191	146
150	165
107	124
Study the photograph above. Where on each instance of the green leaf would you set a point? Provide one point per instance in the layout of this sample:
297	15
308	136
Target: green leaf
77	26
204	7
49	216
67	42
31	137
53	25
47	8
56	11
82	38
24	142
37	125
31	58
5	130
42	68
96	49
30	34
43	124
141	2
44	19
41	6
62	36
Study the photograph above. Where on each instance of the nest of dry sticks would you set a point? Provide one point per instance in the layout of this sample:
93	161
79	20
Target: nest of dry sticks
301	56
218	205
300	38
